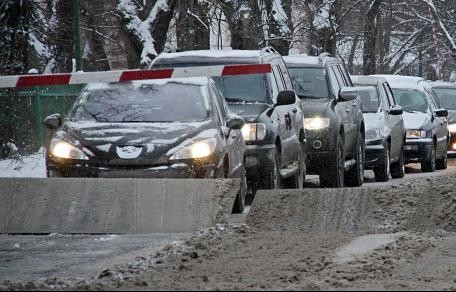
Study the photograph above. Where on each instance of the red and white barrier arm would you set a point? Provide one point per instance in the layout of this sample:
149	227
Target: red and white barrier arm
130	75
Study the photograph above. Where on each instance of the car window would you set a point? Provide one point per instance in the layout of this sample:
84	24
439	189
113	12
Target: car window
412	100
143	101
338	74
286	77
346	75
447	97
274	87
243	88
219	105
370	99
335	87
278	77
389	95
309	82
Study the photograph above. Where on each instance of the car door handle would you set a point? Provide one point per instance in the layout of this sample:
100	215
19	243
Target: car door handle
355	103
295	110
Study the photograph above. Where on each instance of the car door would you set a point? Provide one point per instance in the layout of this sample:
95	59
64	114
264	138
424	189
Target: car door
235	144
343	108
395	123
286	128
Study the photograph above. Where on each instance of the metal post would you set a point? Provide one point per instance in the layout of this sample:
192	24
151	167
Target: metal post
77	34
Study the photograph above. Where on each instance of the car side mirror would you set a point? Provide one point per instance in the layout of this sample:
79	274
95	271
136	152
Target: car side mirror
396	110
441	113
348	94
286	98
53	122
235	122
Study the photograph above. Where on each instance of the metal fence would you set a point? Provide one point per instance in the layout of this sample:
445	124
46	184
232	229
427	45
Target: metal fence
22	112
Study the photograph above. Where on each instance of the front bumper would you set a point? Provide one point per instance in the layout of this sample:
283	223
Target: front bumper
180	170
320	149
418	150
375	156
259	159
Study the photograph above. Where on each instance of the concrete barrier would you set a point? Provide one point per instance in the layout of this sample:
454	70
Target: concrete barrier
119	206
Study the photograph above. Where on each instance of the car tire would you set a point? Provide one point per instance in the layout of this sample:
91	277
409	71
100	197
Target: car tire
297	181
383	172
442	164
429	165
239	203
332	176
398	168
355	176
272	180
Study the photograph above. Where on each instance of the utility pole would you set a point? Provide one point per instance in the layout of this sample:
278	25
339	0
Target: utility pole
77	34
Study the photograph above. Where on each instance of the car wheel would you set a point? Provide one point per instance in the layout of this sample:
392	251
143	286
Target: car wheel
239	204
297	181
443	163
398	168
355	176
430	164
382	173
332	176
272	180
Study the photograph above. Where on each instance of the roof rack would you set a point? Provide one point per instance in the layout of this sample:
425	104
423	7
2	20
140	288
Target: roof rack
269	50
324	55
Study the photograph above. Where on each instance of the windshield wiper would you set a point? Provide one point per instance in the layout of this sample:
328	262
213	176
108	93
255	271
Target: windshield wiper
229	99
309	97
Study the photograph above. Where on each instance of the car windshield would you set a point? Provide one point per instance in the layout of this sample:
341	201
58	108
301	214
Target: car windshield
142	102
243	88
369	98
309	82
411	100
447	97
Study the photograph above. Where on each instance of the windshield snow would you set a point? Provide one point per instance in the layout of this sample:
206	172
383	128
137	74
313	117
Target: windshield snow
309	82
133	103
411	100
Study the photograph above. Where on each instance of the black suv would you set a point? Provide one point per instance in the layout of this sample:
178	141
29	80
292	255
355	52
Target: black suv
274	132
334	119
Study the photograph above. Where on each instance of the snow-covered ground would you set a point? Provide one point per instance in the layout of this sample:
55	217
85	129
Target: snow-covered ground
29	166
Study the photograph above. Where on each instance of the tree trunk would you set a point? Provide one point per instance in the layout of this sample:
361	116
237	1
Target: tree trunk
192	26
370	37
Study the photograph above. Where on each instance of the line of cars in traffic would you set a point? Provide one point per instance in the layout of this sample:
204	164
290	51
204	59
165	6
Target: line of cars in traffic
306	116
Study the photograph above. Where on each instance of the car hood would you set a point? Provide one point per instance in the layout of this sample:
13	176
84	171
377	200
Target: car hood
312	107
143	143
416	120
374	121
249	111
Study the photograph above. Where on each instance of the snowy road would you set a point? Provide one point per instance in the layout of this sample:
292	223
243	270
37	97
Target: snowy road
415	251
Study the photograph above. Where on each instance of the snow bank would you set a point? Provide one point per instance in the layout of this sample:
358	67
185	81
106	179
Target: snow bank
29	166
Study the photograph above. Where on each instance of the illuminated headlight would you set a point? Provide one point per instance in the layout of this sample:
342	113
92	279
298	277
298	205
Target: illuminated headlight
254	132
316	123
65	150
452	128
416	134
198	150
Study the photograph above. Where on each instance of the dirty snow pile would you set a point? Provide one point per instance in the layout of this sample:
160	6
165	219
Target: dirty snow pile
27	166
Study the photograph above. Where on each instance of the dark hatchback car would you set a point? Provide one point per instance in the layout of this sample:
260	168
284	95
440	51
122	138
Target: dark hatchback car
385	131
425	123
174	128
274	132
446	93
334	121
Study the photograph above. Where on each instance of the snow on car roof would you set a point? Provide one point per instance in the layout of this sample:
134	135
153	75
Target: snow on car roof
442	84
366	80
201	81
400	78
302	60
214	54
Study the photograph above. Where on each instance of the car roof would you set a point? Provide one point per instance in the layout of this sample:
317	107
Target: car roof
309	61
201	81
367	80
442	84
400	78
217	57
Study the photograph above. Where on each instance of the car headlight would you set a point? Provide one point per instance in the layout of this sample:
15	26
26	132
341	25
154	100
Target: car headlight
197	150
316	123
65	150
452	128
416	134
254	132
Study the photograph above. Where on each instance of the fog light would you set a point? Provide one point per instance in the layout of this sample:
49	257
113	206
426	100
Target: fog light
317	145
